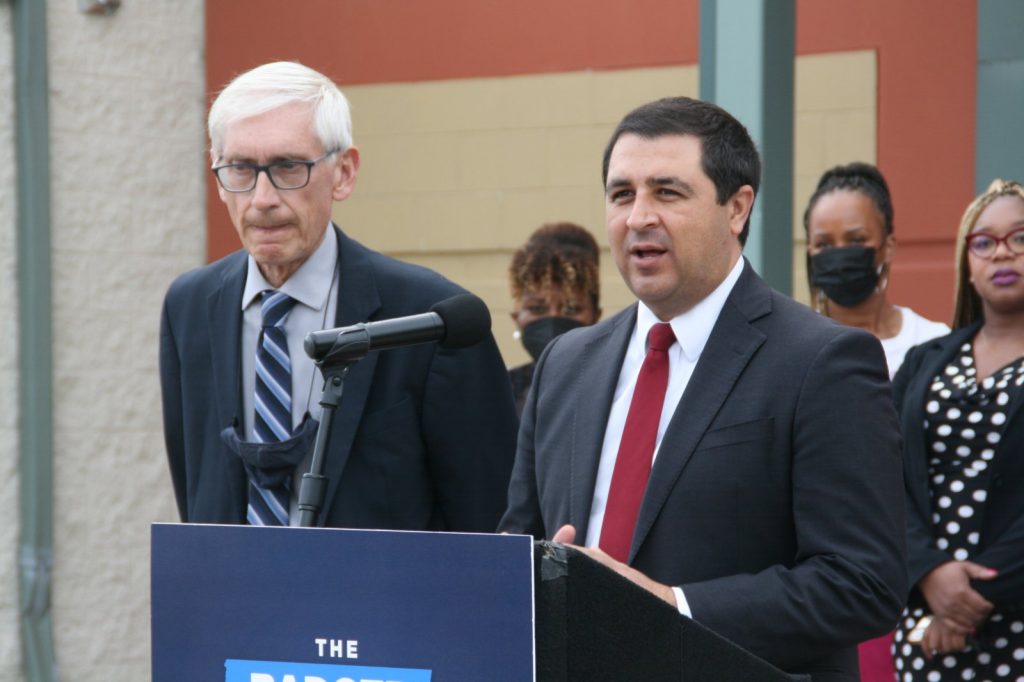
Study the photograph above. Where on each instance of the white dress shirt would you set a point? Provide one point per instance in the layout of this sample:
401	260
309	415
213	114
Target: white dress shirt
314	287
692	330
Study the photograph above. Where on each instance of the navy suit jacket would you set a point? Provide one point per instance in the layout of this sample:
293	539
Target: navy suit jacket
423	438
1001	545
775	501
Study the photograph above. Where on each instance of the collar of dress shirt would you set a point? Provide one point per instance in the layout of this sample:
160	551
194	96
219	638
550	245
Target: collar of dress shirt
310	285
693	327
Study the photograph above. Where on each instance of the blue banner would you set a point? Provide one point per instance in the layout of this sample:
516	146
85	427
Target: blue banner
328	604
277	671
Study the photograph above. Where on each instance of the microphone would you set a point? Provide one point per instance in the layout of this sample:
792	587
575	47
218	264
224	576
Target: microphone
455	322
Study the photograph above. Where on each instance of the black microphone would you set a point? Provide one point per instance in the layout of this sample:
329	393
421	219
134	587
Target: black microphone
455	322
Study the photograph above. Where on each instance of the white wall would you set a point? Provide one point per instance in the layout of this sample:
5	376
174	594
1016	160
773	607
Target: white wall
128	214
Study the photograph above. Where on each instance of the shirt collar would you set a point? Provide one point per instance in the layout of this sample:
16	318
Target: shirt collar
309	285
692	328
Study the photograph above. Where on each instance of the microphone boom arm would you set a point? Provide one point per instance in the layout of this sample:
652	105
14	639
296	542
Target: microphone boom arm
456	322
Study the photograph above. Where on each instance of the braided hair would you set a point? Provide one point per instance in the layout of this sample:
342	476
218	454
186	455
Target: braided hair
856	177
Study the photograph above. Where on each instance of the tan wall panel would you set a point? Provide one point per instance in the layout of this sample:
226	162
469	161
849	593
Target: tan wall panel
456	174
835	122
836	81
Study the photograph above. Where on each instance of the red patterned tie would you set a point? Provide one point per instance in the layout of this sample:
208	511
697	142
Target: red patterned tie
636	450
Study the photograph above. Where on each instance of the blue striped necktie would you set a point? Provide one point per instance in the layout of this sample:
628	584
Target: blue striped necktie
273	404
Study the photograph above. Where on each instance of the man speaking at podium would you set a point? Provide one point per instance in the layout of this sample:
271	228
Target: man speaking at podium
423	437
718	443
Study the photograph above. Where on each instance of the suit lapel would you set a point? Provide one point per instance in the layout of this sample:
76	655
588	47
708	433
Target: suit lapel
595	387
224	320
730	347
1007	461
357	301
940	352
224	314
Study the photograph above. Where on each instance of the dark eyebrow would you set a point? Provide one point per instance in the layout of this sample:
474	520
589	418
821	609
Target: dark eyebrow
659	181
1014	226
670	180
617	183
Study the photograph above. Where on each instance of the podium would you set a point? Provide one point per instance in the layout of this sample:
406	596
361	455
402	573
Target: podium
593	624
247	604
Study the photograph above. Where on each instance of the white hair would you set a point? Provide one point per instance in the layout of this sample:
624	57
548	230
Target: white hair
275	85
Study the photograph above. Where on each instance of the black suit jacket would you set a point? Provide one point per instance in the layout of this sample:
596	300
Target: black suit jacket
775	499
1001	545
423	438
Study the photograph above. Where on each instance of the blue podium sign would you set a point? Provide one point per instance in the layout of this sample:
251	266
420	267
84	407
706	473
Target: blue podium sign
248	604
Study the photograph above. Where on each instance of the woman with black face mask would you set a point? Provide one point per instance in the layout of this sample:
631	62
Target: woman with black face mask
554	284
849	252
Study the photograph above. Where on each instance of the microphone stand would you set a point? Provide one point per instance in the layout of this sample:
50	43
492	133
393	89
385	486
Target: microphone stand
349	349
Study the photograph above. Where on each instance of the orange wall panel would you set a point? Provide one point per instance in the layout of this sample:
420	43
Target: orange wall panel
385	41
926	81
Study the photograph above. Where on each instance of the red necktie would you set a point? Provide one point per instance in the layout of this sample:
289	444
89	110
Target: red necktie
636	450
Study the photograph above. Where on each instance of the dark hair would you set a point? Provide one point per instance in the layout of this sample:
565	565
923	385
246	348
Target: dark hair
856	177
568	235
728	155
562	255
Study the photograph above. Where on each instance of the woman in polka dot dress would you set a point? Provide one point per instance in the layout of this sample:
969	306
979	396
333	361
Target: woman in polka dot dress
961	403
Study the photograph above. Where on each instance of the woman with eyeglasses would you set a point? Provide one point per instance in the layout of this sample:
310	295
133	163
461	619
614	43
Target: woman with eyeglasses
961	403
850	247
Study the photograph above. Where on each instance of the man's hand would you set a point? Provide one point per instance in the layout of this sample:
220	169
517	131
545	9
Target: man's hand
942	637
566	535
947	589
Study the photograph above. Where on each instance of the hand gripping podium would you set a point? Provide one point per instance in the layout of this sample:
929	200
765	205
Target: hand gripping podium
246	604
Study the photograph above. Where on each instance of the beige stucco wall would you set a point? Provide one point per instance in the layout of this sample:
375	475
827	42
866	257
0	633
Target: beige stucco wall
10	653
456	174
128	205
126	125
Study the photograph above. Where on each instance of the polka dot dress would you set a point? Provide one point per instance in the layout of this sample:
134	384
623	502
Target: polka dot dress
964	421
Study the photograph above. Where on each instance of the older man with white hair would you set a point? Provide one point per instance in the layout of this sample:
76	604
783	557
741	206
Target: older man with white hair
423	437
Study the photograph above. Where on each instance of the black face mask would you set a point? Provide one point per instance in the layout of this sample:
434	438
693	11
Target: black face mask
537	335
847	275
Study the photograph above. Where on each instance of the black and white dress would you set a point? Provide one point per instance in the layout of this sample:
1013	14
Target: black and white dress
964	420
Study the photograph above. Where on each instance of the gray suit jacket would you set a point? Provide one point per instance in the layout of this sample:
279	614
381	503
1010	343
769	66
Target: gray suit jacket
776	498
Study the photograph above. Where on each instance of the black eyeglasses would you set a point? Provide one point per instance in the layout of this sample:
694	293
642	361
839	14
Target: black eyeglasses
984	245
241	177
